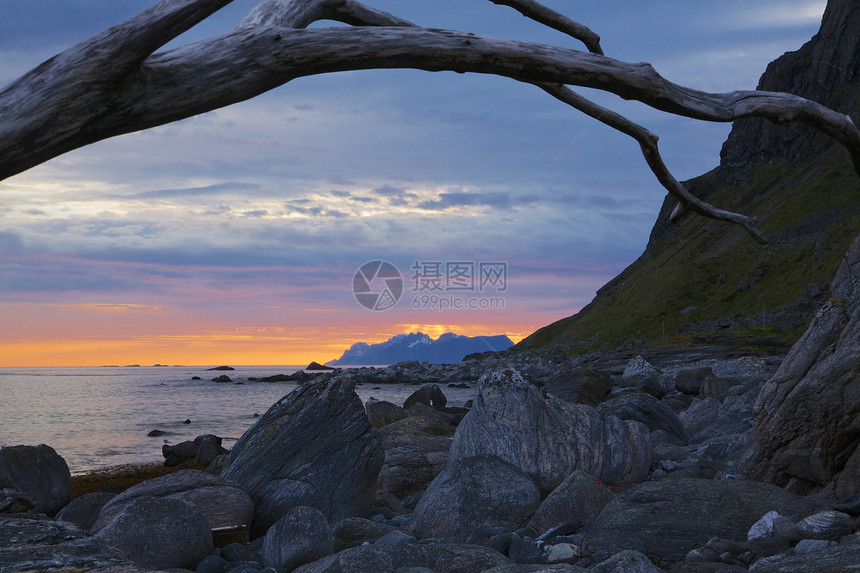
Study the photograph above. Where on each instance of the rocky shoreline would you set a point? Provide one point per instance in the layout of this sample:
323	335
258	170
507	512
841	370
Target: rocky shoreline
605	462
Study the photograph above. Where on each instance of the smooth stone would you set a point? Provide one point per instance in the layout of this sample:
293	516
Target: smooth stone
302	536
827	525
433	556
429	395
579	498
626	562
84	510
36	474
212	564
381	413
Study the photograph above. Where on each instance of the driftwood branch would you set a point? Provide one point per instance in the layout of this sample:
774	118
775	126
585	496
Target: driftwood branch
116	83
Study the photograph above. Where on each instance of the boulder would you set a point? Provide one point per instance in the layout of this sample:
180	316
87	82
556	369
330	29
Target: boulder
836	558
34	477
475	492
318	367
569	437
578	499
179	453
302	536
84	510
161	533
645	408
429	395
637	372
555	568
224	502
208	448
808	413
314	447
222	379
826	525
402	557
351	531
700	415
579	385
416	451
381	413
668	518
690	381
626	562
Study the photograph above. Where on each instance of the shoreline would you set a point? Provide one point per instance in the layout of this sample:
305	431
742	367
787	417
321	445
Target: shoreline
116	479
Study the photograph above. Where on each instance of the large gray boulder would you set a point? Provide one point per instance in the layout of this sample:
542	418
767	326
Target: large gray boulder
808	413
84	510
161	533
429	395
472	493
645	408
549	438
302	536
381	413
577	499
314	447
33	478
837	558
224	502
579	385
668	518
416	451
385	558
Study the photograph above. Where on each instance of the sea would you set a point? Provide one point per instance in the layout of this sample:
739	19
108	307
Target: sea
101	417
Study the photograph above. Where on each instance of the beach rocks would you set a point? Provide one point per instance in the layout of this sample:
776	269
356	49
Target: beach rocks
475	492
416	451
33	478
381	413
639	372
314	447
429	395
160	533
224	503
579	385
645	408
670	517
569	436
408	557
302	536
84	510
578	499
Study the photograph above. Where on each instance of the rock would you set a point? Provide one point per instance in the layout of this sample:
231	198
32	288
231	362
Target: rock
156	433
416	451
809	545
563	553
642	407
224	502
557	568
395	537
763	528
381	413
577	499
690	381
826	525
38	544
637	371
36	476
700	415
849	505
626	562
196	378
228	368
569	437
580	385
429	395
836	558
302	536
160	533
236	552
808	413
222	379
524	550
670	517
208	448
314	447
317	366
180	453
84	510
389	558
351	531
212	564
471	493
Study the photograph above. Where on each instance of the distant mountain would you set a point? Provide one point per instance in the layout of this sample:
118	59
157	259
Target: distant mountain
449	348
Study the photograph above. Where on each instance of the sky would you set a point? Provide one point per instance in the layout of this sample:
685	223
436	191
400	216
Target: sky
235	237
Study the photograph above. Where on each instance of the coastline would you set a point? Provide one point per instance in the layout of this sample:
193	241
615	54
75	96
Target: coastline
116	479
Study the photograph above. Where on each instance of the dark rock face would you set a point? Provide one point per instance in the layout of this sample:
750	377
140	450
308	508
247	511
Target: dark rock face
645	408
576	500
569	436
34	477
404	557
302	536
836	558
475	492
225	503
381	413
160	533
580	385
808	414
416	451
314	447
429	395
670	517
84	510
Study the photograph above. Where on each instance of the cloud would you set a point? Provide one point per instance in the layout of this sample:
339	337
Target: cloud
206	191
460	199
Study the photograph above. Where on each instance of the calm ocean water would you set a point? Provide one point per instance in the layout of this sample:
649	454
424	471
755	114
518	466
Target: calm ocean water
100	417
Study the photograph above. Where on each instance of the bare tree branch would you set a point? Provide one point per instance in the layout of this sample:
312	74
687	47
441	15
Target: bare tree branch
548	17
82	96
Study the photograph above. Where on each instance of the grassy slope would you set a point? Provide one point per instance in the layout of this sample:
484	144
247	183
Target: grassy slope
811	214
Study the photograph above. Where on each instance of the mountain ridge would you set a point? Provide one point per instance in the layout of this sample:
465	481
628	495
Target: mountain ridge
449	348
700	281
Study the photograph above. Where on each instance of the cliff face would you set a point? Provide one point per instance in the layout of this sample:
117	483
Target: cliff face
701	281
